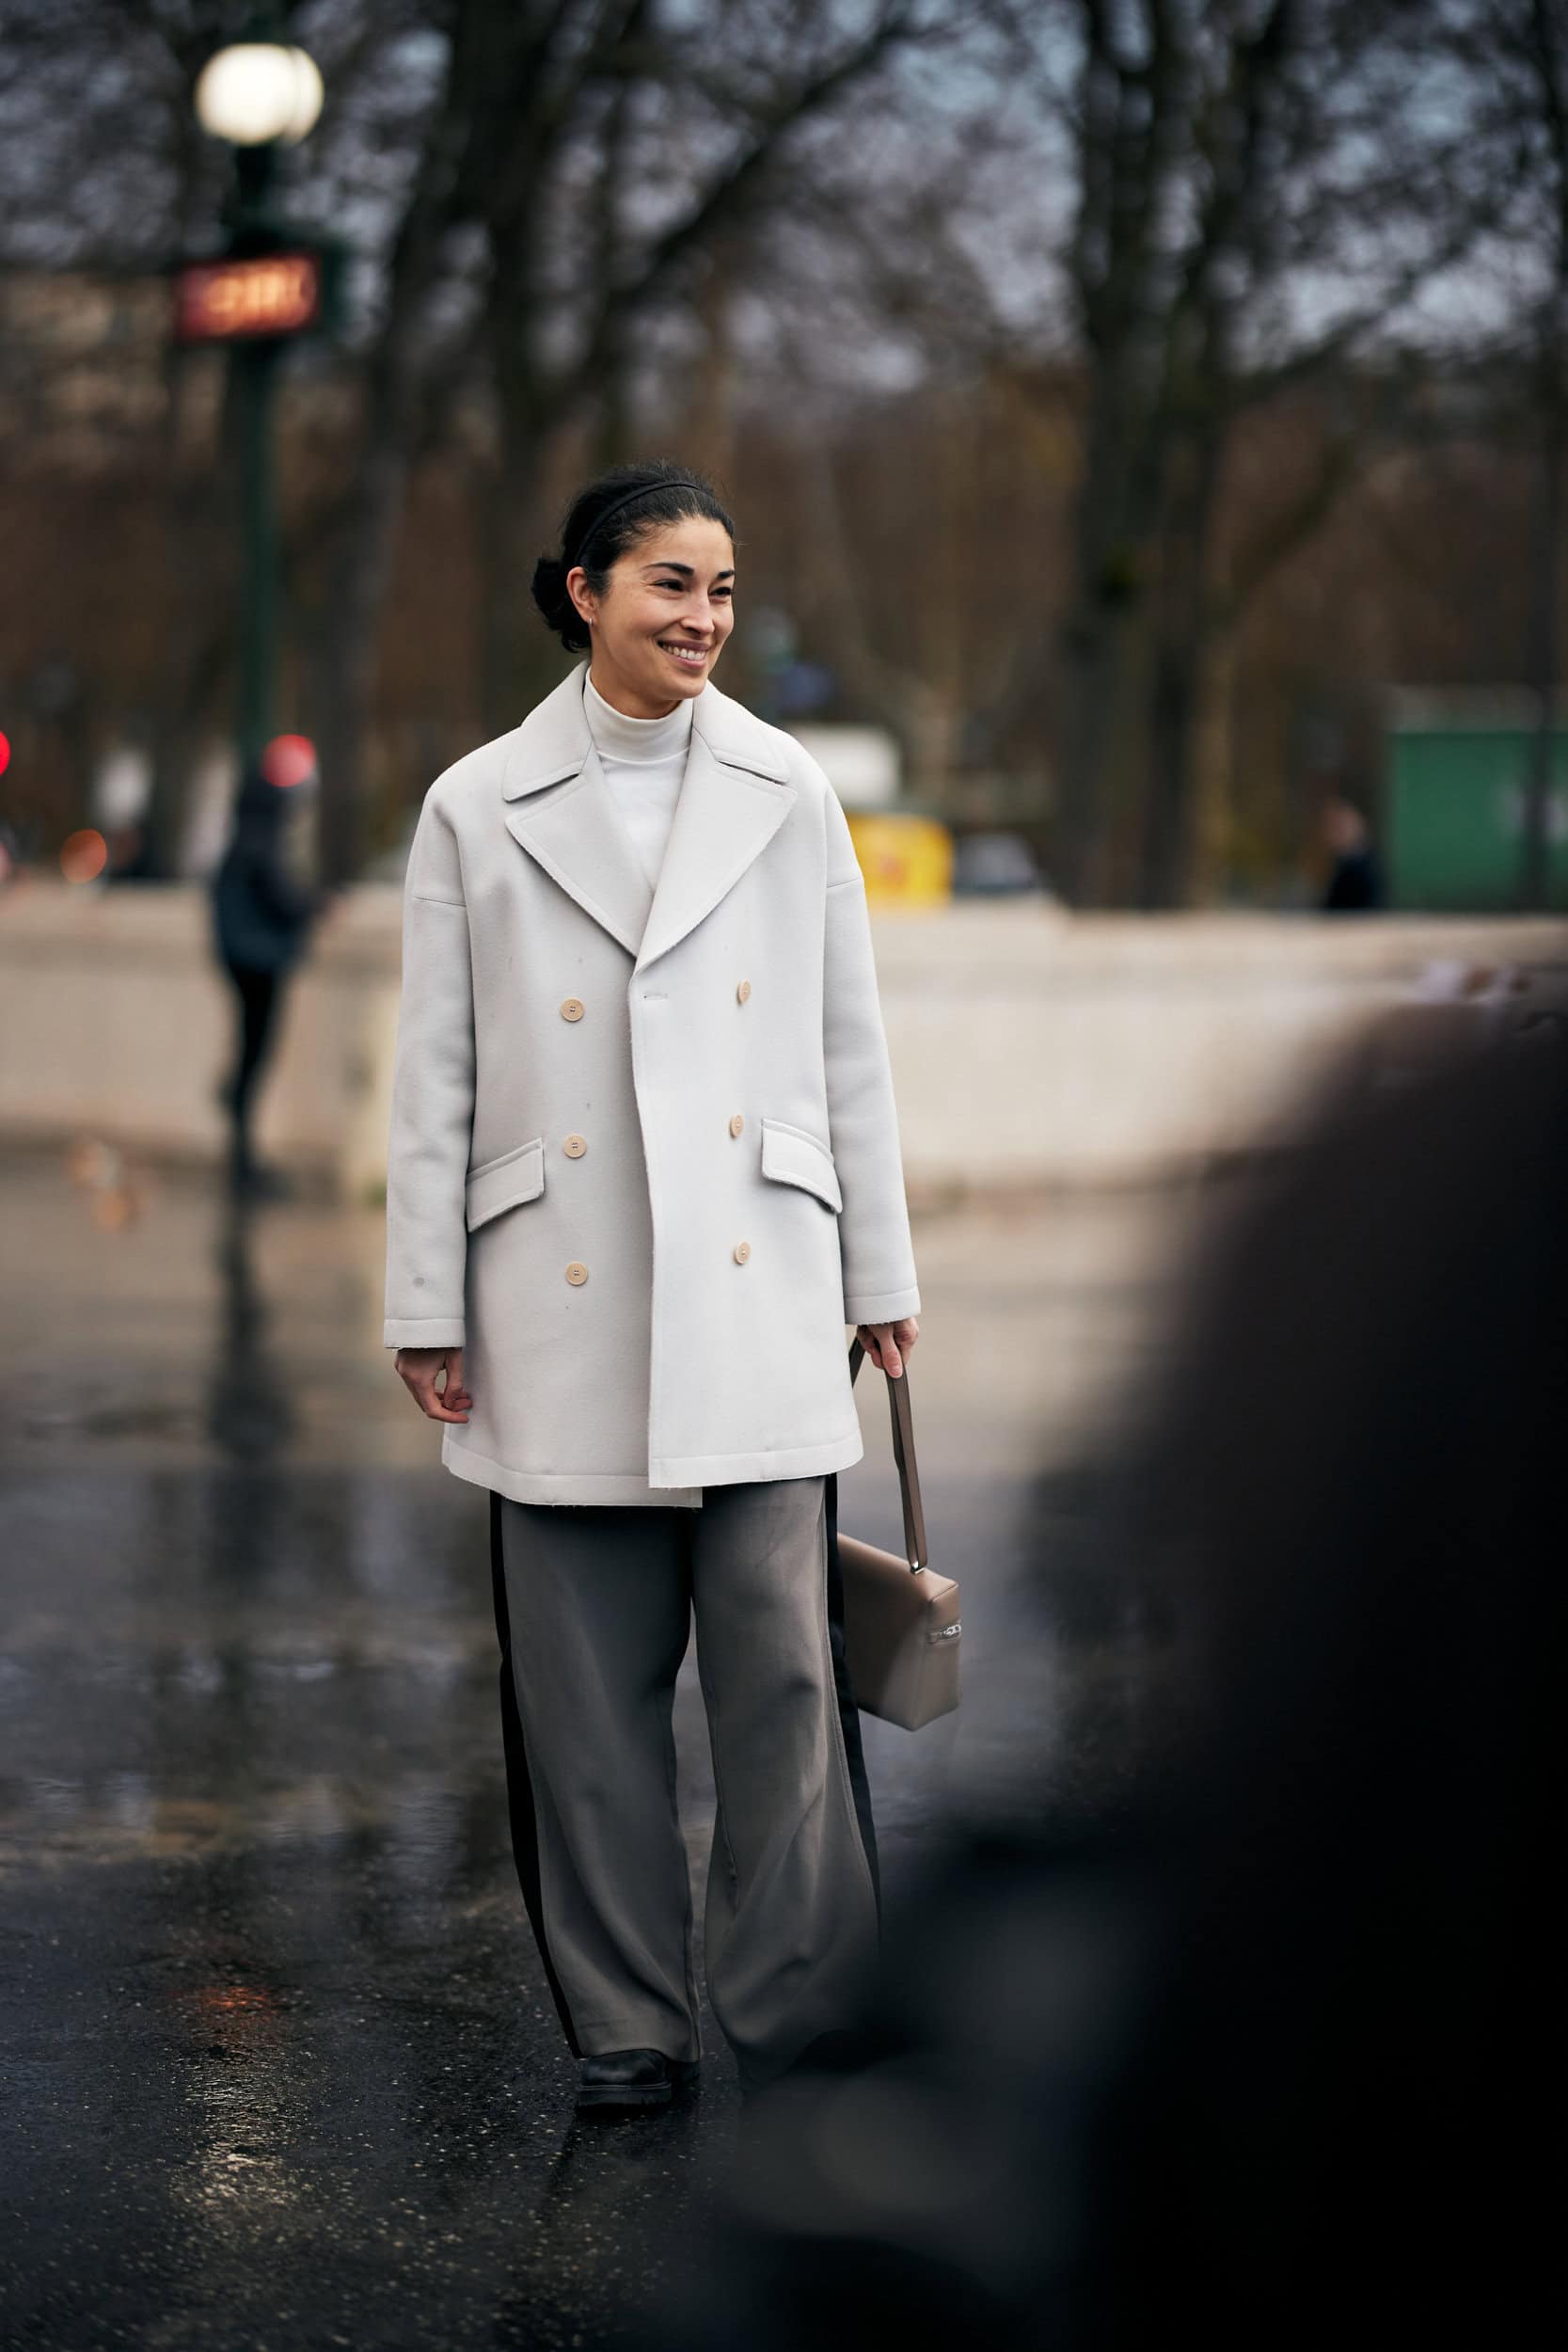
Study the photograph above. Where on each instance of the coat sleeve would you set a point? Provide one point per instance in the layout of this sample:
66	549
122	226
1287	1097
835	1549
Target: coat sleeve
873	1225
433	1099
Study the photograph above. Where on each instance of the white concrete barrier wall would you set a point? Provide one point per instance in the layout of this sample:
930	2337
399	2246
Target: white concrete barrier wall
1029	1047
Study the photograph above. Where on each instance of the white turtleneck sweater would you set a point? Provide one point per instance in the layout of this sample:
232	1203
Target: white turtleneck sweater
643	761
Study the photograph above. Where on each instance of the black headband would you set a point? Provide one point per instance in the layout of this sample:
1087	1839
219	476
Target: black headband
646	492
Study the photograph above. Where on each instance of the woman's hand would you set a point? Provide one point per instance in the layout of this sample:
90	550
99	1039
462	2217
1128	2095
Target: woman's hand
888	1343
419	1366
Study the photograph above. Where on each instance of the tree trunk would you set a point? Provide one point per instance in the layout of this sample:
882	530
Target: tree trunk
1214	755
510	629
346	650
1100	642
1182	632
1549	64
1534	880
197	540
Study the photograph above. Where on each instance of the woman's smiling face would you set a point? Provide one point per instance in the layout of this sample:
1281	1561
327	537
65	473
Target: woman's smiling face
661	623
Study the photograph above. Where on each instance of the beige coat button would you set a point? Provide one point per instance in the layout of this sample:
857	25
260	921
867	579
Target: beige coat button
737	1123
576	1273
742	1251
743	992
574	1147
571	1008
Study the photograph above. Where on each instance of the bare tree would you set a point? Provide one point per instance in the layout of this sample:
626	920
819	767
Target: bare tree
528	184
588	154
1216	202
655	158
106	172
1229	157
1099	250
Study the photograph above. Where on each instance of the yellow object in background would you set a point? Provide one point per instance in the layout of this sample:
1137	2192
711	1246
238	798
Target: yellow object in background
907	861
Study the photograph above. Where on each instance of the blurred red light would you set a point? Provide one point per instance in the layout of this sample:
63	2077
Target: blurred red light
4	753
84	855
289	759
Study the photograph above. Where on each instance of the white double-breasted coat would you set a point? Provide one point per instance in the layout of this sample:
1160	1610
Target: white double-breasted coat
643	1161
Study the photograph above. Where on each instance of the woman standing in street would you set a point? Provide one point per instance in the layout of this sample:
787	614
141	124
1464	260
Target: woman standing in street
643	1169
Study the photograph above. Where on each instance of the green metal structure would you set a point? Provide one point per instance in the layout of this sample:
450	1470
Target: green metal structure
1454	798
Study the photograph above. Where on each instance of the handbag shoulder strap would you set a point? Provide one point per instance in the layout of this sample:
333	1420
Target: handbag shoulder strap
903	1453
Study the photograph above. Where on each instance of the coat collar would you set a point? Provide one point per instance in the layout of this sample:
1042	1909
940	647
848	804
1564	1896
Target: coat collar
553	741
733	796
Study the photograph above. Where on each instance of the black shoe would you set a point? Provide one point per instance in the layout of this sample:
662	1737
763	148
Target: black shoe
632	2078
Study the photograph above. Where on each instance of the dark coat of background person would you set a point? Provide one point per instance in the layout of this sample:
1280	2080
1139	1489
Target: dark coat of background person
1356	884
1276	2058
261	914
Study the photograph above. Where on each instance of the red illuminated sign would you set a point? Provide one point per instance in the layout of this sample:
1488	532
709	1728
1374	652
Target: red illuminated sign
278	294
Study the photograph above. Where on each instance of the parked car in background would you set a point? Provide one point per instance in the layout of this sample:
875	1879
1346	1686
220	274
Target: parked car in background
995	865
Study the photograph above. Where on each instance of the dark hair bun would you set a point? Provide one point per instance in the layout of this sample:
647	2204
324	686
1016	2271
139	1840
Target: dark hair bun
607	517
561	615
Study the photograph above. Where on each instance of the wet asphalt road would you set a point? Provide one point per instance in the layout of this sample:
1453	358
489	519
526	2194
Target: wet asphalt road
280	2068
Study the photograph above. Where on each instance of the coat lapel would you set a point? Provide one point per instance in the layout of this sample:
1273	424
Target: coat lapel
735	796
725	818
576	833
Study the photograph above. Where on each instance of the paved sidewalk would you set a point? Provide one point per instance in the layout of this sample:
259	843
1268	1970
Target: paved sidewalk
278	2066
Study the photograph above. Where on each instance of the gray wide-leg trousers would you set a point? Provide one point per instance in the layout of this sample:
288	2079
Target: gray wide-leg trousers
593	1606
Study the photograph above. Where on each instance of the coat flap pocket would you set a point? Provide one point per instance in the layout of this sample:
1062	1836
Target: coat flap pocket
500	1184
792	1156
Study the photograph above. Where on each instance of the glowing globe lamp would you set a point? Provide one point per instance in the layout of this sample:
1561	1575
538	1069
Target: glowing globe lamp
258	90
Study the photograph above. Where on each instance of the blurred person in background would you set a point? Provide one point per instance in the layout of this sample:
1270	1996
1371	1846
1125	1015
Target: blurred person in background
1275	2056
263	910
128	861
1354	883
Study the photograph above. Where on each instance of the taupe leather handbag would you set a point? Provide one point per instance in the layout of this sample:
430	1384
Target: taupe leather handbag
901	1622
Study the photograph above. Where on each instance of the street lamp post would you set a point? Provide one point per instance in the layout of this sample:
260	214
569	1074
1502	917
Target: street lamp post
255	373
266	287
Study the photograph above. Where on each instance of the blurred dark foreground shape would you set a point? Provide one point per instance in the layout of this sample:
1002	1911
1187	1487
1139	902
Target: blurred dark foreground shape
1275	2058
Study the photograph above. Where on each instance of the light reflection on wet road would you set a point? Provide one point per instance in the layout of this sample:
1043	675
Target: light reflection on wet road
280	2067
